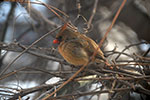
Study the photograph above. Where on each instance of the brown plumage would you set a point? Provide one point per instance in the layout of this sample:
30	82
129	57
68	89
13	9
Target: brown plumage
77	48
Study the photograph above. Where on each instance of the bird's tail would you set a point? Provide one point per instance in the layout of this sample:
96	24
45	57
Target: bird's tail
100	60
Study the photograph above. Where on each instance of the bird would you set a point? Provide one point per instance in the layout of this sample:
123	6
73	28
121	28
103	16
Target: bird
77	48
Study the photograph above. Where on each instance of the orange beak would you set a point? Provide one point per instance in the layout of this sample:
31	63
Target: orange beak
56	41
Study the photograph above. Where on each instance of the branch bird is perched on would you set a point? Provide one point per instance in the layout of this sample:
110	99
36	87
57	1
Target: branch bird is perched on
76	48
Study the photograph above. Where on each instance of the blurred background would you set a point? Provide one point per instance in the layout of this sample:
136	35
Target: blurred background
24	23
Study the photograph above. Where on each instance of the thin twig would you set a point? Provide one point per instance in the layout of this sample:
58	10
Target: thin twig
90	93
109	28
127	47
106	34
5	69
66	82
32	90
146	52
92	15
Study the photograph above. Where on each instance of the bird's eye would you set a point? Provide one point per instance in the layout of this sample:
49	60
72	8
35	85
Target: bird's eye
59	38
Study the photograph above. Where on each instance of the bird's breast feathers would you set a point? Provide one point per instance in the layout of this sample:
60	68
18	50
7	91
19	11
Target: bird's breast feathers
73	52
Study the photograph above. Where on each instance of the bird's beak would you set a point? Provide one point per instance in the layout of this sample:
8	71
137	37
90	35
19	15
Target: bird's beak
56	41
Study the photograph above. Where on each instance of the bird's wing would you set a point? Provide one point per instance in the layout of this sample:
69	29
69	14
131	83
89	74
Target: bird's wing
91	46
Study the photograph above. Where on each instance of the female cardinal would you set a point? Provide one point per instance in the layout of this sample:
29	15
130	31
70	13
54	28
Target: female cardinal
77	48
